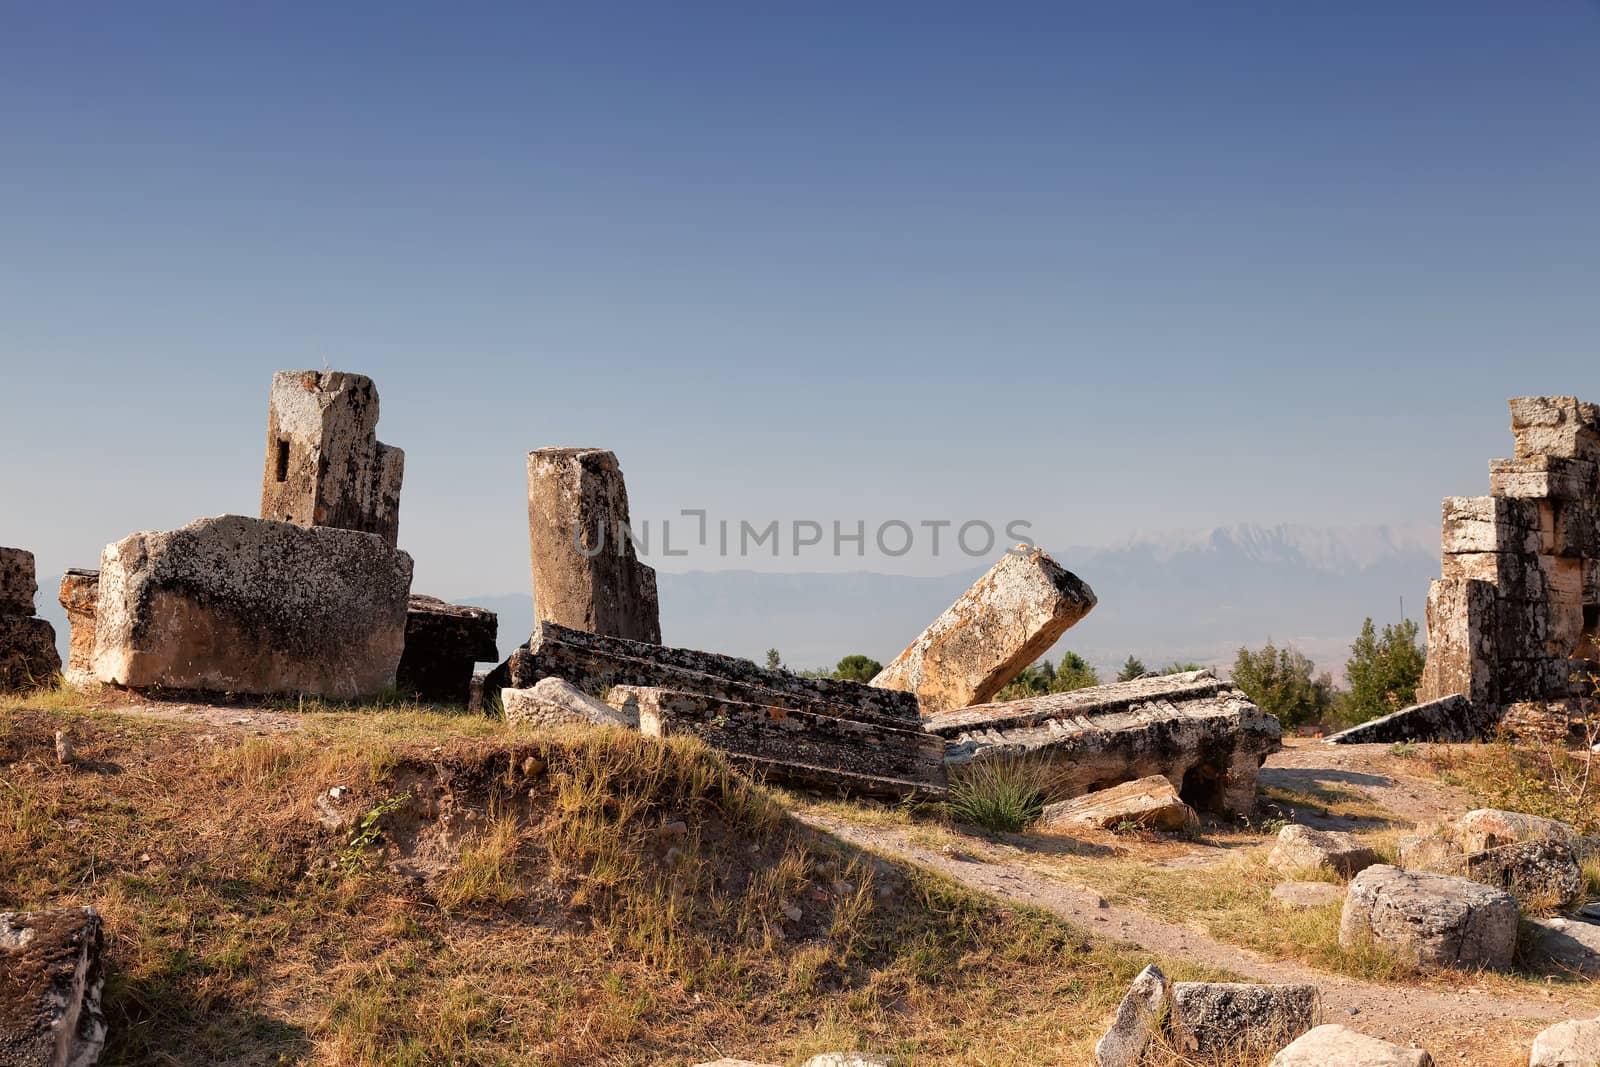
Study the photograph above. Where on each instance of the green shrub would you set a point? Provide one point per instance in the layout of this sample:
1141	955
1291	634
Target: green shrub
1003	795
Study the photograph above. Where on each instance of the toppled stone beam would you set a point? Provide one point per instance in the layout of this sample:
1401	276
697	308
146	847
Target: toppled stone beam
51	977
1201	734
586	574
1009	618
325	465
80	591
1150	802
444	644
797	747
1453	719
242	605
595	663
554	702
28	656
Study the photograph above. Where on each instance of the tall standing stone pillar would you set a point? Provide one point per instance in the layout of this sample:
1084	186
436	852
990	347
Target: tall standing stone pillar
586	575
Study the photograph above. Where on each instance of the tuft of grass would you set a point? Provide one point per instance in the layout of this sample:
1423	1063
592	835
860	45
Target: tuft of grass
1003	795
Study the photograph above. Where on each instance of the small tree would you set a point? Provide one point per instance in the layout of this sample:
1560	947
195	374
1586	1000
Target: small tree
1279	682
1131	669
857	668
774	660
1074	673
1384	670
1177	667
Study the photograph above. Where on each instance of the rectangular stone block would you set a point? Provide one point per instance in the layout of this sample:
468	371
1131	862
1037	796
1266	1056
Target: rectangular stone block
1009	618
444	644
1462	626
1561	426
52	977
232	604
1514	575
28	656
1573	527
80	592
1522	628
796	747
1542	478
1541	679
1449	719
17	585
1490	524
1563	581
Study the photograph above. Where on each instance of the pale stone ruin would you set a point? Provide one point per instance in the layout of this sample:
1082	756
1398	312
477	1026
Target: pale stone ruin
51	978
1214	1022
586	574
28	656
325	465
79	594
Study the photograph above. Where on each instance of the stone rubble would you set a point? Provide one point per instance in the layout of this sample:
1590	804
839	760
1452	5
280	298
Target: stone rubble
1533	858
1331	1045
1303	850
1140	1021
1006	620
1189	728
1575	1043
28	656
1150	803
1430	920
556	702
51	976
444	644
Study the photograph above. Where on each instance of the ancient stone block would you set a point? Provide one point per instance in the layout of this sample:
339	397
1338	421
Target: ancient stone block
80	591
250	606
1560	426
1486	828
1213	1020
325	465
1565	947
595	662
1141	1018
1189	728
1331	1045
1430	920
17	584
1462	627
1490	524
1149	802
1570	1044
1453	718
586	574
1539	873
798	747
28	656
1563	582
444	644
51	977
1542	478
1009	618
1301	849
1511	574
554	702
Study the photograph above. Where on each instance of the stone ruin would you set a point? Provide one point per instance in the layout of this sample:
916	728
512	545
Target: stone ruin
51	979
28	656
1513	616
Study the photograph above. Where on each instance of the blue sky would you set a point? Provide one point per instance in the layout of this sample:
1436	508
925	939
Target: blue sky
1103	267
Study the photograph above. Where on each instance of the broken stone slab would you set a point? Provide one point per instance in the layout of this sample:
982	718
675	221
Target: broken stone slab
80	591
28	656
794	746
596	662
1539	873
1189	728
51	975
554	702
1331	1045
1486	828
1430	920
1141	1018
1211	1020
1303	849
1555	426
17	582
1299	896
1006	620
1150	802
586	573
1575	1043
444	644
241	605
1565	946
325	465
1452	718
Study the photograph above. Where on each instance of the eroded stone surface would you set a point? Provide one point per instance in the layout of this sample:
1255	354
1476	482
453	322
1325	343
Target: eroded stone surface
325	465
554	702
1189	728
17	582
1486	828
28	655
1449	719
1331	1045
444	644
586	573
1565	946
1009	618
1570	1044
51	980
1302	849
244	605
1150	802
1215	1019
80	591
1430	920
1141	1017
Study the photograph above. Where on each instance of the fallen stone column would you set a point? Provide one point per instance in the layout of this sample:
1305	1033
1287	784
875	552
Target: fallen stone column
1009	618
80	591
444	644
1149	802
1430	920
28	656
51	975
1452	719
233	604
576	497
798	747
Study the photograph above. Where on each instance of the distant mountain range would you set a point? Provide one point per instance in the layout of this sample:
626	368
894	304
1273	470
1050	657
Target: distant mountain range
1176	595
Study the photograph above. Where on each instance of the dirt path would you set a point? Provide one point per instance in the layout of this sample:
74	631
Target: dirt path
1392	783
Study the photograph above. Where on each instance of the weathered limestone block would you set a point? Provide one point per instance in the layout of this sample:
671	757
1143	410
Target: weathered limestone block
1009	618
1565	946
1542	478
585	572
1486	828
596	662
80	591
1149	802
1490	524
1331	1045
1301	849
1141	1018
1539	873
17	581
444	644
1211	1020
1298	896
1430	920
245	605
795	746
1452	718
1569	1044
1189	728
28	656
554	702
51	979
325	465
1560	426
1461	651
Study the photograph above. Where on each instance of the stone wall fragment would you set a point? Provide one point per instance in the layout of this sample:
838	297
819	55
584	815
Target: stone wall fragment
444	644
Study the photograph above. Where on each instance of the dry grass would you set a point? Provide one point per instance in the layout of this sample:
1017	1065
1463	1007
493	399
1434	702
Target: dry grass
502	897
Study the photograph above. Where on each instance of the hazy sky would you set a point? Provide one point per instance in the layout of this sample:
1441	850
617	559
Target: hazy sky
1103	267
